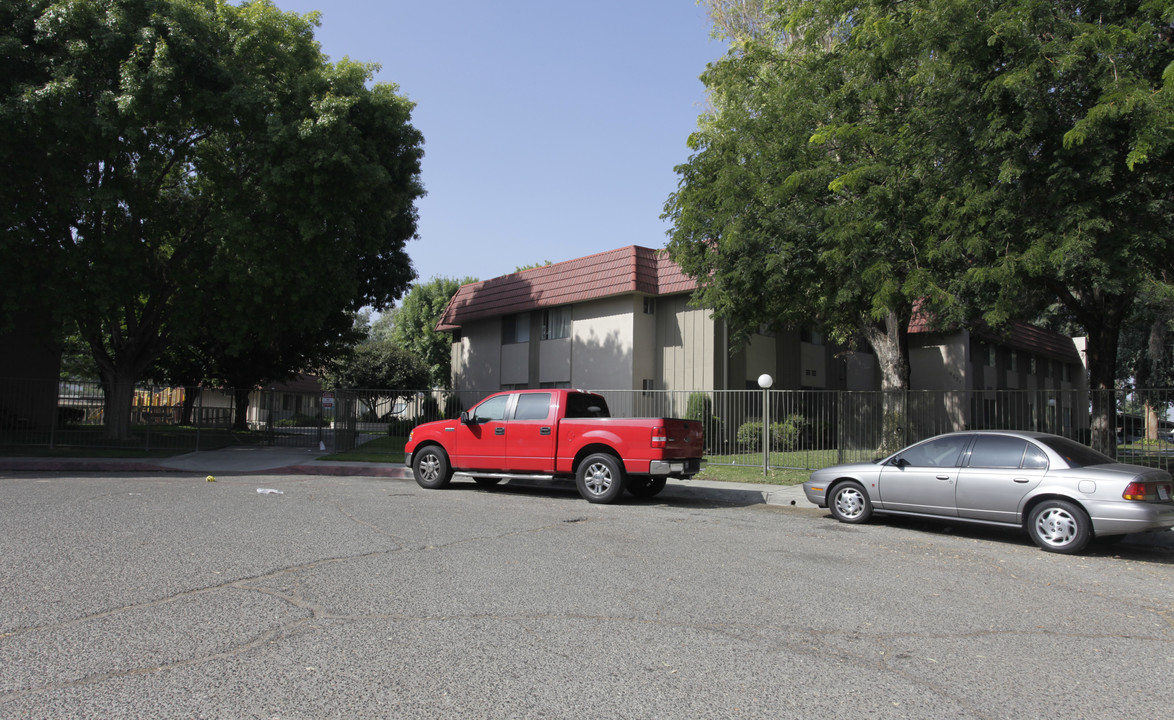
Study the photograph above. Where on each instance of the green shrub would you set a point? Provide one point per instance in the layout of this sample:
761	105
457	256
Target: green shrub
784	435
453	406
300	420
700	408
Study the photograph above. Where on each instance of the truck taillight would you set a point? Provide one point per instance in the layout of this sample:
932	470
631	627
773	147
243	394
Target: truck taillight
1147	491
660	437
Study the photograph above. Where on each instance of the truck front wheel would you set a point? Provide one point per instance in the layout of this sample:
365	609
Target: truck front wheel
431	468
600	478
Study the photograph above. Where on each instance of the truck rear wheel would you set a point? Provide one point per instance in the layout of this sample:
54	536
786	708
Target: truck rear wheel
600	478
646	487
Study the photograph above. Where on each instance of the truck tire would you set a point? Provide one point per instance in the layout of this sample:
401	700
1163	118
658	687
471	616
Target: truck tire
645	487
600	478
431	468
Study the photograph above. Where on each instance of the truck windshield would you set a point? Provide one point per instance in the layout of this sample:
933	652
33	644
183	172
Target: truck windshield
582	405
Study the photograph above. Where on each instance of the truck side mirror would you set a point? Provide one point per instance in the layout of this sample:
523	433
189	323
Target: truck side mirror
465	417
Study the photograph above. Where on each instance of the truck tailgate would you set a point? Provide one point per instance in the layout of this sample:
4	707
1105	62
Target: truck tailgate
686	438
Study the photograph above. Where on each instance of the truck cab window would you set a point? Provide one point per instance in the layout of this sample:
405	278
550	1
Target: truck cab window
532	406
490	410
582	405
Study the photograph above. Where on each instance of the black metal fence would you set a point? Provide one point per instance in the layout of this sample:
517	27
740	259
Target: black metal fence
802	429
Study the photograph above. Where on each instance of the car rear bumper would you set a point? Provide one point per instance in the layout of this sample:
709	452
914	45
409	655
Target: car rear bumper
1123	518
675	468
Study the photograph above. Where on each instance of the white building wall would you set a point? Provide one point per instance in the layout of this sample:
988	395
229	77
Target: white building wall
515	363
476	359
761	357
602	340
554	360
685	339
940	366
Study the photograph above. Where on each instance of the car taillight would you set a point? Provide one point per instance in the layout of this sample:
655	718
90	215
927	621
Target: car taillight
1147	491
660	437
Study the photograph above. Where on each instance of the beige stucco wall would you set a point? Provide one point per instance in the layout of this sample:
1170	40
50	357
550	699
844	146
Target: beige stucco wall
554	360
476	362
761	357
941	364
601	351
685	337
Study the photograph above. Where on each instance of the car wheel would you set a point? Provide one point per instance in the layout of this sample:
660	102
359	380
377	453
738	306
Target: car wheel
486	481
600	478
850	503
1059	526
431	468
646	487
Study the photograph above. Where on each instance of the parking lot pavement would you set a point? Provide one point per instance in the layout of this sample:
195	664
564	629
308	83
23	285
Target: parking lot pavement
160	595
303	461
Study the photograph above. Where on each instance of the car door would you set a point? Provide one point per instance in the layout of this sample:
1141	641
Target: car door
481	436
999	472
922	478
530	434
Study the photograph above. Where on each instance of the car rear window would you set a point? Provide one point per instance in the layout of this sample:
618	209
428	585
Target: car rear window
1075	454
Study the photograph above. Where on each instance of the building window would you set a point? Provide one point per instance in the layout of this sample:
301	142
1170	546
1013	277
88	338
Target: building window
515	329
1014	361
989	355
556	323
649	306
811	335
1031	365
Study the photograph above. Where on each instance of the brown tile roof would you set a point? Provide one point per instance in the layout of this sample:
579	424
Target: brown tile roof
632	269
636	269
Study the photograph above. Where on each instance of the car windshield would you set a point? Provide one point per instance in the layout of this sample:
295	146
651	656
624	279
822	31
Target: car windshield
1075	454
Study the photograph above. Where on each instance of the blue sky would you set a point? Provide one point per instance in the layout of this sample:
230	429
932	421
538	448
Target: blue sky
551	128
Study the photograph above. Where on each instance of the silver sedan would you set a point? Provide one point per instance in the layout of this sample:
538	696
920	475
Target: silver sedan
1061	492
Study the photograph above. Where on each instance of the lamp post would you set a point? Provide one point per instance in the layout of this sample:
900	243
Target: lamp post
764	382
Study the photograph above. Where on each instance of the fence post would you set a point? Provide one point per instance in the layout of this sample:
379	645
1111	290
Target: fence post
764	382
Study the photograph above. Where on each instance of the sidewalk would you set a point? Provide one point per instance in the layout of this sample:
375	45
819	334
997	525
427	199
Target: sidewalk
303	461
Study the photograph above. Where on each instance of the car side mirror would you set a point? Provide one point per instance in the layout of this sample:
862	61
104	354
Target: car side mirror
900	462
465	419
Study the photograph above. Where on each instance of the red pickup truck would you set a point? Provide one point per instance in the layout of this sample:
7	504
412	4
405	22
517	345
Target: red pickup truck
556	433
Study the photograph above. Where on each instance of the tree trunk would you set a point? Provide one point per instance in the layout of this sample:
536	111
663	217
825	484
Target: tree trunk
1102	375
119	390
890	344
240	421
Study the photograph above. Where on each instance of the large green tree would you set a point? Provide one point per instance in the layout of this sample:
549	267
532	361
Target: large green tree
976	159
1066	194
414	326
179	170
807	197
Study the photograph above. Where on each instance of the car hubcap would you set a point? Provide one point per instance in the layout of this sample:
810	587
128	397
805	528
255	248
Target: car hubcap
1056	527
850	503
598	478
430	467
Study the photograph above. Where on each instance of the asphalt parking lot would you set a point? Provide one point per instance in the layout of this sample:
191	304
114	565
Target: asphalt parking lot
165	596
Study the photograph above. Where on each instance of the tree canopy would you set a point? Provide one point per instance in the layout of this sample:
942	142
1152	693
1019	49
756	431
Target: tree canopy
414	326
191	171
976	160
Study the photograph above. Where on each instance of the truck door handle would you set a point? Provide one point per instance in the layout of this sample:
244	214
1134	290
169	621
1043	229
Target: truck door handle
499	431
544	431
